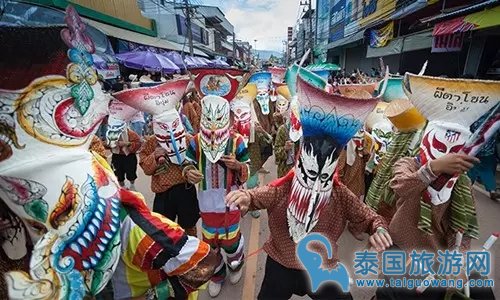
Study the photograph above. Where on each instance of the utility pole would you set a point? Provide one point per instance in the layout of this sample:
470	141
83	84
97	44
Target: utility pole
234	47
190	32
311	41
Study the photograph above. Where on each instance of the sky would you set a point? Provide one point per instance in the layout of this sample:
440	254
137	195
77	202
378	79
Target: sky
263	20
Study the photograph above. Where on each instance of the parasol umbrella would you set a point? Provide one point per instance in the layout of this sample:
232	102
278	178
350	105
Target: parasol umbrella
323	66
149	61
199	62
176	58
220	63
190	62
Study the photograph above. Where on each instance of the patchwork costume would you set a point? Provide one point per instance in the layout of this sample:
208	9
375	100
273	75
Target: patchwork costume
309	199
84	229
220	225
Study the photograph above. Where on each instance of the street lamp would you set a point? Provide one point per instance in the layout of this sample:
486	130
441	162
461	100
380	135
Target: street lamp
255	51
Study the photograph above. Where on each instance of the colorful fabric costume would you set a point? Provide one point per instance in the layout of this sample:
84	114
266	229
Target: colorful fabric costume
82	225
220	225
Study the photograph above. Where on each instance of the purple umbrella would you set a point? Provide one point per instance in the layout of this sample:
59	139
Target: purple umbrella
199	62
220	63
190	62
148	61
176	58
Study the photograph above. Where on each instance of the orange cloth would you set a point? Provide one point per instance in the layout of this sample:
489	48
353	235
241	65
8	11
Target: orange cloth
97	146
343	207
162	181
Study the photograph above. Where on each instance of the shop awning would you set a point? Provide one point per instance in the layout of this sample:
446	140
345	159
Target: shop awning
460	12
135	37
417	41
479	20
347	40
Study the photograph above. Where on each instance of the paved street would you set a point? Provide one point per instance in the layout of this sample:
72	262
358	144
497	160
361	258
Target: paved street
256	233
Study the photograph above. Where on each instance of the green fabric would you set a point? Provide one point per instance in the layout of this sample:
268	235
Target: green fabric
463	212
425	222
162	290
398	148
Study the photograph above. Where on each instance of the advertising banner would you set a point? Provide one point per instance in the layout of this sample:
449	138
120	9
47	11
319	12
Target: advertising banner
337	19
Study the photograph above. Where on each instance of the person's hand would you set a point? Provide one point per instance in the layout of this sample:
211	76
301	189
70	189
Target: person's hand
238	199
194	176
231	162
380	240
452	164
288	145
160	154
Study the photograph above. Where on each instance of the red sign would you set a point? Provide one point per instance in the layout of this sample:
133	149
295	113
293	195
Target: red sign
447	42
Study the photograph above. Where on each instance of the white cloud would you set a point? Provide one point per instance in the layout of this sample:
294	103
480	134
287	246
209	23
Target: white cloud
264	21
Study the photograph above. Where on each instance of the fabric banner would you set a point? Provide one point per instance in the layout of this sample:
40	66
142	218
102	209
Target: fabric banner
380	37
475	21
447	43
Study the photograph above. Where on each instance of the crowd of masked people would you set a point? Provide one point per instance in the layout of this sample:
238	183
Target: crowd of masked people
178	198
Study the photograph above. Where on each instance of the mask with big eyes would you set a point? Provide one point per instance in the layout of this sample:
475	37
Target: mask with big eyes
312	185
214	127
439	139
263	99
171	135
114	129
282	105
242	118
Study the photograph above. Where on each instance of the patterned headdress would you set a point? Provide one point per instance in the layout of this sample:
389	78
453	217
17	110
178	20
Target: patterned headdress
161	101
328	123
451	106
69	200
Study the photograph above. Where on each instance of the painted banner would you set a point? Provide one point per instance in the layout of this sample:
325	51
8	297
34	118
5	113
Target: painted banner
219	82
447	42
475	21
380	37
337	19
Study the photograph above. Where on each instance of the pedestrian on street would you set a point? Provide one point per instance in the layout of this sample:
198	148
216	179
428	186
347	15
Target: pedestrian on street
124	158
175	197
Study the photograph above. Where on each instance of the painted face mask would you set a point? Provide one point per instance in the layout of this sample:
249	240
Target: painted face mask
242	112
323	139
439	139
282	105
382	134
263	82
214	127
171	135
119	115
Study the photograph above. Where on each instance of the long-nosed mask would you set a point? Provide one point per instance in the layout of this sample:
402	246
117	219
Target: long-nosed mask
171	135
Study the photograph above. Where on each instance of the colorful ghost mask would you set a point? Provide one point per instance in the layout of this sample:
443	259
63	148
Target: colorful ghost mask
214	127
263	82
119	116
217	82
451	106
161	101
242	110
283	101
51	181
323	139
